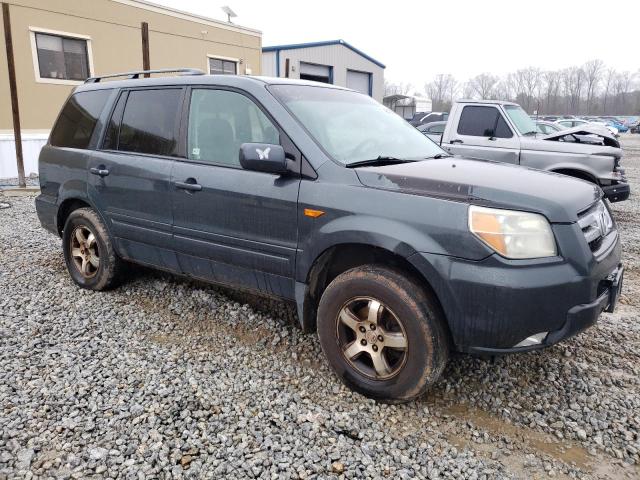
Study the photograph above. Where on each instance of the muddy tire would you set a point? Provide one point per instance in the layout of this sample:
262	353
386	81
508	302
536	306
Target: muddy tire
382	333
88	251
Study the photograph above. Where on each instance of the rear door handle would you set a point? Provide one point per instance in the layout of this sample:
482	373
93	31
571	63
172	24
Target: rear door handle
100	171
189	185
456	140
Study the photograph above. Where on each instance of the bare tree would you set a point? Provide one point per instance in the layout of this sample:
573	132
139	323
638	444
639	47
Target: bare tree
589	89
621	85
528	82
401	88
441	91
551	85
467	90
609	80
593	71
507	88
484	85
573	83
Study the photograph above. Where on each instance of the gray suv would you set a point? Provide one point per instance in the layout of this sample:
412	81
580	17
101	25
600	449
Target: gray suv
393	251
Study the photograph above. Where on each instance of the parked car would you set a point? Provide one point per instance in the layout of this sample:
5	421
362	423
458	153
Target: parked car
433	130
429	117
502	131
620	126
635	127
395	252
574	135
608	125
547	128
578	122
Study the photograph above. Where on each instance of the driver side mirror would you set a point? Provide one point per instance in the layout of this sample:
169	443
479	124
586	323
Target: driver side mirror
263	157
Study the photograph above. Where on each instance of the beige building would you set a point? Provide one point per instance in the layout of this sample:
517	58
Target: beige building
58	43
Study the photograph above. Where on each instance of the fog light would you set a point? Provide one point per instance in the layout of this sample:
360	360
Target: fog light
536	339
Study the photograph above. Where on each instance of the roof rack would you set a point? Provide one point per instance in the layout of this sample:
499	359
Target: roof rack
136	74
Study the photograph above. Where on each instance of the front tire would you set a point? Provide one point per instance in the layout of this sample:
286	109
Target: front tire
88	251
382	333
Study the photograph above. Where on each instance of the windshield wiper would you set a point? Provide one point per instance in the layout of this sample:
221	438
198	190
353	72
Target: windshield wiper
381	160
530	132
437	156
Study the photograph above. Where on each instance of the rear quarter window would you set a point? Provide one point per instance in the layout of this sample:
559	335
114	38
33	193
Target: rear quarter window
78	119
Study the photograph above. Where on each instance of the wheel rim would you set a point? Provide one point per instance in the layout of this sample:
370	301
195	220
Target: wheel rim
371	338
84	251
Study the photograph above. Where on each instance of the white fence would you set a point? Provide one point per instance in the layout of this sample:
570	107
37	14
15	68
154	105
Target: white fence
31	145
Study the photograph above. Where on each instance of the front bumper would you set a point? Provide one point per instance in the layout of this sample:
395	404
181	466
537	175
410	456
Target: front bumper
579	318
493	305
617	192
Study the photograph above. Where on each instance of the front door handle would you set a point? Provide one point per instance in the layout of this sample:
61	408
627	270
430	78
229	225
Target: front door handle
189	185
101	171
456	140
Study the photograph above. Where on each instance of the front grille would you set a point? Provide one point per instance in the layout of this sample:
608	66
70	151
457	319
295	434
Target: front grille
596	223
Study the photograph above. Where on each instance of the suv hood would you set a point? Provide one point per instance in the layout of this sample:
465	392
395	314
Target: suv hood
492	184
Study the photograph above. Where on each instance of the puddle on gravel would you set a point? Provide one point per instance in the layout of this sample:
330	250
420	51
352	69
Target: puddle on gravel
568	453
563	450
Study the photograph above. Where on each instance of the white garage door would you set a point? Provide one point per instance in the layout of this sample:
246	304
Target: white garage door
317	73
358	81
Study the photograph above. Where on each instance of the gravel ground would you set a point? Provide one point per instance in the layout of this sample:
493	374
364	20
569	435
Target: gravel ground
164	377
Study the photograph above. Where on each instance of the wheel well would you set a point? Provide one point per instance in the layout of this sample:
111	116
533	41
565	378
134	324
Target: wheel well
65	210
340	258
581	174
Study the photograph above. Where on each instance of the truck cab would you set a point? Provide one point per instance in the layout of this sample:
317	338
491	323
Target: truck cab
502	131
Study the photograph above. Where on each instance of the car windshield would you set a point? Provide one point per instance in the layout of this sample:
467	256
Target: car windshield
521	120
352	127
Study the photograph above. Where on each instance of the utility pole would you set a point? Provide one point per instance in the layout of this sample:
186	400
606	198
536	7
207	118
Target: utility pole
13	88
146	64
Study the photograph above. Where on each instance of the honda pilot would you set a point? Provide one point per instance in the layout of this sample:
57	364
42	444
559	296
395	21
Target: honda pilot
393	251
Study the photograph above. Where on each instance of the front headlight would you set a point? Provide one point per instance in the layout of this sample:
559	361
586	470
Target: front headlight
511	233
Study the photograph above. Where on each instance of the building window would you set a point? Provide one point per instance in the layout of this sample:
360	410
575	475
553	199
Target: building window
60	57
221	66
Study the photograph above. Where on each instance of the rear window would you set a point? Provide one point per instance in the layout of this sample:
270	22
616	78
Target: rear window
78	119
150	122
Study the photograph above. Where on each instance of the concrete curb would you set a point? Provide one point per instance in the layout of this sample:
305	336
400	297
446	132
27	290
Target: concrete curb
18	192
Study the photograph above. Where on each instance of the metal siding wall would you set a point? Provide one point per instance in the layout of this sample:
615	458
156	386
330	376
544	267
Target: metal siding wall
338	56
269	64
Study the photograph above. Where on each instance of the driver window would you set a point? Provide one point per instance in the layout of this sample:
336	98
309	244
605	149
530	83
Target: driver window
220	121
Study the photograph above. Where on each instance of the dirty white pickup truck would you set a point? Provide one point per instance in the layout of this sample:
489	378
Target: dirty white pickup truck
502	131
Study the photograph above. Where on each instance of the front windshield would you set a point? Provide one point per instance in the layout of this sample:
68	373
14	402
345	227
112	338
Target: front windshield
352	127
521	120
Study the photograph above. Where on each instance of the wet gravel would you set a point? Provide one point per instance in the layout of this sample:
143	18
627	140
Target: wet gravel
164	377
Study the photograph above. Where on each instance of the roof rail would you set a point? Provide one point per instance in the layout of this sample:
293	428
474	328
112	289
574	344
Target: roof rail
136	74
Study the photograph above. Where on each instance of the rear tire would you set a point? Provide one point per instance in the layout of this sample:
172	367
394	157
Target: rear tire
382	333
88	251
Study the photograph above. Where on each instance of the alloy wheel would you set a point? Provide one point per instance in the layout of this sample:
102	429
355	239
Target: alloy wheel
372	338
84	251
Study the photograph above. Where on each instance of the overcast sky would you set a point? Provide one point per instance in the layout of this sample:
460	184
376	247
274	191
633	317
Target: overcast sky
418	39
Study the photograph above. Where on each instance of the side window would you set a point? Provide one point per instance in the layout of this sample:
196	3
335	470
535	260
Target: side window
480	121
113	129
502	130
477	121
150	122
78	119
220	121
